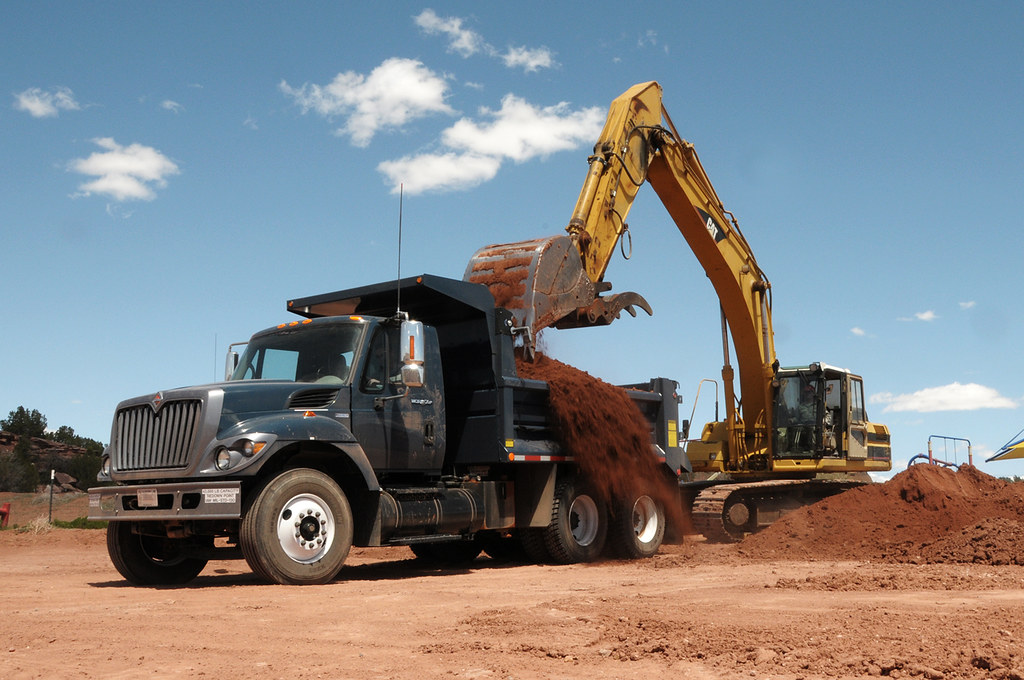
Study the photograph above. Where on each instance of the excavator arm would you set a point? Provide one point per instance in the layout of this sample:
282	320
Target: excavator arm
559	281
743	290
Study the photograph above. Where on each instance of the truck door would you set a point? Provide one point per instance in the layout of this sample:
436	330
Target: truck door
396	432
857	433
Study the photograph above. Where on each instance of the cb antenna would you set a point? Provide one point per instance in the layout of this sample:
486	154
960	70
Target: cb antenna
398	297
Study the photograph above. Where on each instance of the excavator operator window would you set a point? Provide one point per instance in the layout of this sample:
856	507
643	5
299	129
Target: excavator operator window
832	425
796	417
857	413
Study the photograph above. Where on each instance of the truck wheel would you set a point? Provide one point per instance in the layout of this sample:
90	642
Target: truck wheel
579	524
531	540
447	554
637	528
150	560
298	528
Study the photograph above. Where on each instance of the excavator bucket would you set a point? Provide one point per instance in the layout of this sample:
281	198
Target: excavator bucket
543	283
539	281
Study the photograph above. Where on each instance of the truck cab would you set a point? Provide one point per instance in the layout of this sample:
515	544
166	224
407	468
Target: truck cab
354	366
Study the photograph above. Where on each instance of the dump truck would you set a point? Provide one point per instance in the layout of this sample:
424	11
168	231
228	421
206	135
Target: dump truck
791	435
389	414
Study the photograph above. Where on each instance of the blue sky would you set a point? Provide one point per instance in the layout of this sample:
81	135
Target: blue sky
171	173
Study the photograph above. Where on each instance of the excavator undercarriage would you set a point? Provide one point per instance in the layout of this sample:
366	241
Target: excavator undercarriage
728	511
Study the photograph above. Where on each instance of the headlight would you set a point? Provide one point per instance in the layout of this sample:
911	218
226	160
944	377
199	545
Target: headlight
104	469
223	459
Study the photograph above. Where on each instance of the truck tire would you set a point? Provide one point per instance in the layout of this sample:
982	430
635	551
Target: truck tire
637	527
150	560
532	542
579	524
297	529
447	554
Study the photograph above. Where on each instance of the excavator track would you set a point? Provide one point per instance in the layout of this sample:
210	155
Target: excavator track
727	512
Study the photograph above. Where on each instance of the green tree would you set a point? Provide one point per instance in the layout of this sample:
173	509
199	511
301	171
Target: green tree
66	435
17	472
25	423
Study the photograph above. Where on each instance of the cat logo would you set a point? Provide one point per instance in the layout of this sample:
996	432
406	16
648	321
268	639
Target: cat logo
712	226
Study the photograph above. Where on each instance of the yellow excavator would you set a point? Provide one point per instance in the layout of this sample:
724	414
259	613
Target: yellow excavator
791	436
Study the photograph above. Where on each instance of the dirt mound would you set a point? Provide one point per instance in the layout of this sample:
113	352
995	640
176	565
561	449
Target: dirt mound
994	540
921	514
604	430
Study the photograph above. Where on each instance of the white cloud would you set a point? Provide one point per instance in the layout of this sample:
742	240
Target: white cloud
41	104
474	150
521	131
467	42
440	172
952	397
928	315
531	59
968	305
856	330
460	40
393	94
124	172
172	106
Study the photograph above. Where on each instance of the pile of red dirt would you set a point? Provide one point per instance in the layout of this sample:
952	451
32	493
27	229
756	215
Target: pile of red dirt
600	426
924	514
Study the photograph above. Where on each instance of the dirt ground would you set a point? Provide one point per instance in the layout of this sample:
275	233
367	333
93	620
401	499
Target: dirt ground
942	603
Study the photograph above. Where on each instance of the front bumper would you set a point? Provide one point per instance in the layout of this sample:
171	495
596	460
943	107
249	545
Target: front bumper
176	501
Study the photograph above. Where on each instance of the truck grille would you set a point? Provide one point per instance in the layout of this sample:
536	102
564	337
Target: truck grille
148	439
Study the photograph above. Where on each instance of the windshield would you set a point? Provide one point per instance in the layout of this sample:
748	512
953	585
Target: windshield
320	353
795	401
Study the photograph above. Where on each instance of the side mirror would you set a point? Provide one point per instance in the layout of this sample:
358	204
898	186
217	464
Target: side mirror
412	353
232	360
231	364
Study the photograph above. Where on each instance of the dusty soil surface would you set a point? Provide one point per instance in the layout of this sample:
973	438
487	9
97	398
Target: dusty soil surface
946	602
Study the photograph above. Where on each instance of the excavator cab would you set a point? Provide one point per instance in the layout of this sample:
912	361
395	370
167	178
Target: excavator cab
819	413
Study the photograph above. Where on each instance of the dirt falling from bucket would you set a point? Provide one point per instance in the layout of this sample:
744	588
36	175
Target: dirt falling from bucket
600	426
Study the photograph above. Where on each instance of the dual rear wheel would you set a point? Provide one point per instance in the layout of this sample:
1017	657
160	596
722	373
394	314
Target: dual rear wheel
583	526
